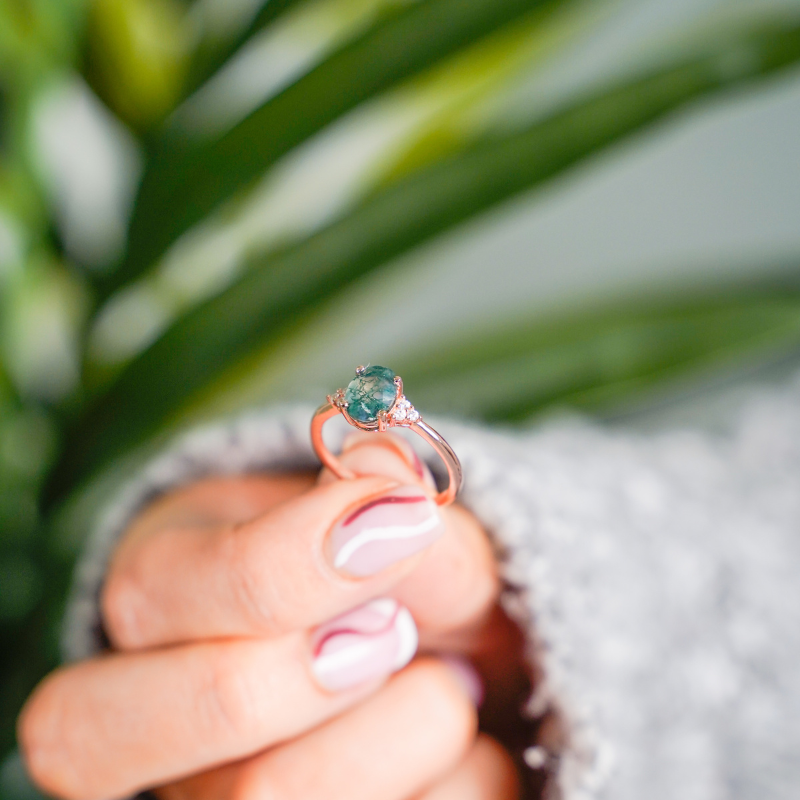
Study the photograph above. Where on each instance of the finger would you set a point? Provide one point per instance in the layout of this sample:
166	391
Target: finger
416	729
114	725
487	773
220	500
452	592
387	455
302	562
455	585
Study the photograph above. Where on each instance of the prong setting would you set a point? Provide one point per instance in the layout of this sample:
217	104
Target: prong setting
337	399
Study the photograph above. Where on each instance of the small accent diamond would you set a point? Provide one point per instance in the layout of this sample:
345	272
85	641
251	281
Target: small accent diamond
403	411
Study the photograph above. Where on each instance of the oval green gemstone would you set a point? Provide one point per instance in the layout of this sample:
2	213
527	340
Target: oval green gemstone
370	393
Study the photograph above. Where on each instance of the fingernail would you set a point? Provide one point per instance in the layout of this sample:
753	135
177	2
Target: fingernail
468	677
385	530
372	640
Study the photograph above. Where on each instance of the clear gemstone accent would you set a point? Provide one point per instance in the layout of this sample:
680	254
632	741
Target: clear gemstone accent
403	411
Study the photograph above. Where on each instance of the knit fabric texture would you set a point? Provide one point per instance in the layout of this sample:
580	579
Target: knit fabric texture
657	574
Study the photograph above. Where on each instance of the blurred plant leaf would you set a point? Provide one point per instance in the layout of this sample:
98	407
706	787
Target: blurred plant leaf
209	339
183	183
37	34
22	206
296	42
43	309
213	50
38	40
464	97
328	176
138	56
605	357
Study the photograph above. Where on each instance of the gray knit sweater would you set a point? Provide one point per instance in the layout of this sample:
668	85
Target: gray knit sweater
658	577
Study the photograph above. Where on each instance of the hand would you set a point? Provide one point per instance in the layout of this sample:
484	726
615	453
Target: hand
216	604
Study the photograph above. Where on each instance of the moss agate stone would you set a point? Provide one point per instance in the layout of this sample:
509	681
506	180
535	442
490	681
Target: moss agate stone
369	393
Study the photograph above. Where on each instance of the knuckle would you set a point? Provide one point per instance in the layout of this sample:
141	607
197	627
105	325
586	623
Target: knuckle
259	588
123	607
232	700
249	585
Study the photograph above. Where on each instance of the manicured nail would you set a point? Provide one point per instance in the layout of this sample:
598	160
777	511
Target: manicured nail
368	642
384	530
468	677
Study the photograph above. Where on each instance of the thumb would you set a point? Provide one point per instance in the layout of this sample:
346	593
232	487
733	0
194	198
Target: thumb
386	455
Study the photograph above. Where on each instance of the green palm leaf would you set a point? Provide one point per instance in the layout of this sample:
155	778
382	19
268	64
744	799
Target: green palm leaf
607	358
183	183
211	55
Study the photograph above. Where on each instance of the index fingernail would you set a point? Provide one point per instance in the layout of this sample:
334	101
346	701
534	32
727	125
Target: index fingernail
384	530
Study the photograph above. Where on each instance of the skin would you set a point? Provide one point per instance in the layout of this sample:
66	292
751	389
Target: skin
208	692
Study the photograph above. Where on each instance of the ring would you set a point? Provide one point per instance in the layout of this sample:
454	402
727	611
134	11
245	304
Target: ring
374	401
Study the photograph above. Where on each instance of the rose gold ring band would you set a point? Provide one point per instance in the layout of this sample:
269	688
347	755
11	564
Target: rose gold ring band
333	406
